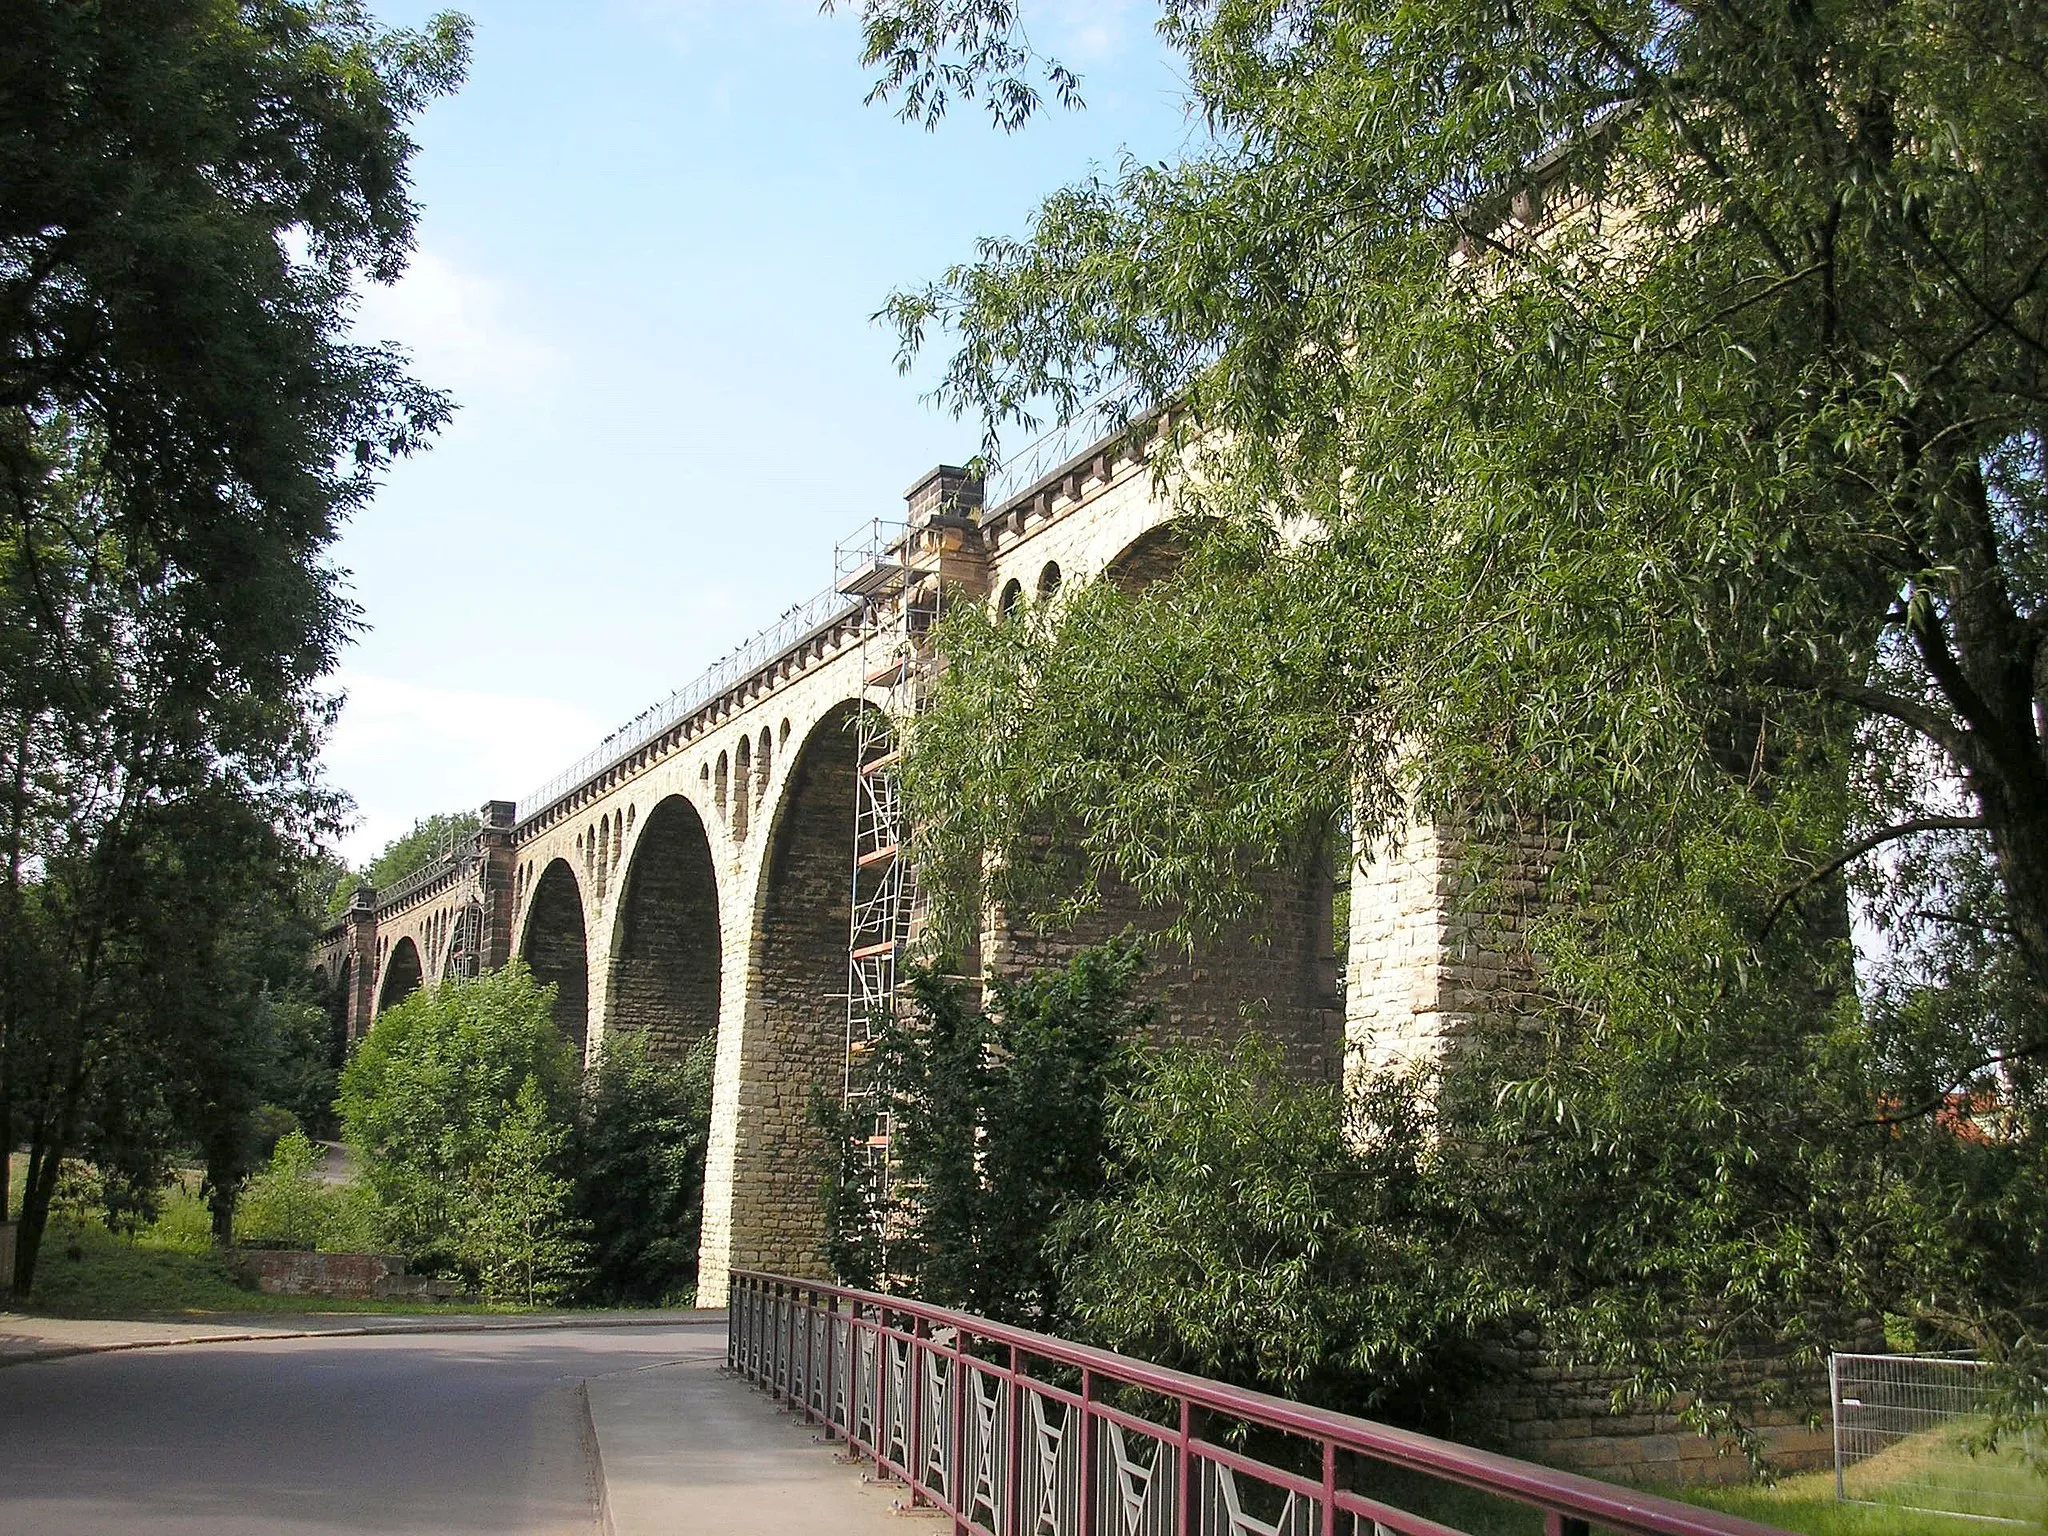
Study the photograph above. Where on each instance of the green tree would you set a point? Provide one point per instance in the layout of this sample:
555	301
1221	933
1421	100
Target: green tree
638	1154
1286	1236
515	1214
999	1116
1656	399
426	1093
285	1203
188	195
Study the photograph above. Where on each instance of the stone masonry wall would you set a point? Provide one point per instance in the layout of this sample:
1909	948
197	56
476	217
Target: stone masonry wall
1560	1415
796	1031
1275	974
665	974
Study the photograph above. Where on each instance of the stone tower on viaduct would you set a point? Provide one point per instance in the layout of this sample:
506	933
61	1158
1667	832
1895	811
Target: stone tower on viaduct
695	873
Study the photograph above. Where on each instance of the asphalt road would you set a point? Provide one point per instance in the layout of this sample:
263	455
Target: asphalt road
444	1433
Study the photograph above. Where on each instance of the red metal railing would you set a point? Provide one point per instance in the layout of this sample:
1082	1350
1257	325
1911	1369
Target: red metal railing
1015	1433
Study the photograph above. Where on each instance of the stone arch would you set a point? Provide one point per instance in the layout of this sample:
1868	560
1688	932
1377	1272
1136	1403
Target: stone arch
1049	581
555	949
1152	556
764	760
401	975
718	784
665	952
1011	600
794	1040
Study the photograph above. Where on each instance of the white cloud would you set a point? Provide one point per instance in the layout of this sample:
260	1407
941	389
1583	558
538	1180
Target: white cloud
466	330
404	750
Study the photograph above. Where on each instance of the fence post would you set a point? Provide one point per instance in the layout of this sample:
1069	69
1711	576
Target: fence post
1835	1415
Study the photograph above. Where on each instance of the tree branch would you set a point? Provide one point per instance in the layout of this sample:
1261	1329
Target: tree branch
1860	847
1920	1111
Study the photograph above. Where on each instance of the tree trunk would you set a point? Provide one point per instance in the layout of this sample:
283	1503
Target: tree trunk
46	1157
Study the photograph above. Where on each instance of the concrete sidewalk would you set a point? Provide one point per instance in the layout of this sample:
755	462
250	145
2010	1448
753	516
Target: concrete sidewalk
684	1449
25	1336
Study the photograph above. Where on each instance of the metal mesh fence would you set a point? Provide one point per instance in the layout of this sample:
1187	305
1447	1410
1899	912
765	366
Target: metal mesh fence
1902	1427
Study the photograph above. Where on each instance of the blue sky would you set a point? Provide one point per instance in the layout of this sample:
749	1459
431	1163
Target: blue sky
653	234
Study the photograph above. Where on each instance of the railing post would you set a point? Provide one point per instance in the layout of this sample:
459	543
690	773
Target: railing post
810	1351
1555	1524
1183	1472
956	1458
913	1446
1329	1488
1012	1492
1085	1521
831	1350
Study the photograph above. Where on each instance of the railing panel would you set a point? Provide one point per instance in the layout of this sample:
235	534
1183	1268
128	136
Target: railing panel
1014	1433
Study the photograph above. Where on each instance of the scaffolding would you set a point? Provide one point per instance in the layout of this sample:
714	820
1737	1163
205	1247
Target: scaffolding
900	596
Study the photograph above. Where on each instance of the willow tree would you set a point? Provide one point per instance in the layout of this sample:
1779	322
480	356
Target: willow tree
1651	396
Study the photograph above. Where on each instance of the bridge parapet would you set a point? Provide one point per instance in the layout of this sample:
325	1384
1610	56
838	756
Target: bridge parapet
1011	1431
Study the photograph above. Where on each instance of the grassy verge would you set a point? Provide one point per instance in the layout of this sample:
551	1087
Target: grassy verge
1805	1504
171	1269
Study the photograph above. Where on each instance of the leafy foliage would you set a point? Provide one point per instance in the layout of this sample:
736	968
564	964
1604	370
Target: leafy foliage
638	1154
188	193
1282	1235
1000	1119
427	1094
515	1231
288	1206
1653	400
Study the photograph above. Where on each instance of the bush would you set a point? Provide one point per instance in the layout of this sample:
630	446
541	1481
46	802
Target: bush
638	1153
1277	1234
1000	1117
426	1096
288	1205
284	1206
515	1228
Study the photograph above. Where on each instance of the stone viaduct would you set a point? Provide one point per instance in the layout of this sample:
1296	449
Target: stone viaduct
694	873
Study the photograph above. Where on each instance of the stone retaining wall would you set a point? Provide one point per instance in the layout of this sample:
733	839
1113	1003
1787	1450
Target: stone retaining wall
280	1272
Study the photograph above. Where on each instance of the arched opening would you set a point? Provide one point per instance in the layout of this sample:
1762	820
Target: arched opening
1011	600
338	986
1048	580
795	1039
743	776
401	975
555	951
1153	556
665	960
1281	971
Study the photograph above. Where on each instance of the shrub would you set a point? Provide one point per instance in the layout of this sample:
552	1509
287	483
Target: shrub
285	1206
638	1153
515	1230
1276	1234
428	1091
1000	1117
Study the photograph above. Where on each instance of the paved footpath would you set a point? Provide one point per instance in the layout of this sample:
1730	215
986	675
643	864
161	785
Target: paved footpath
344	1424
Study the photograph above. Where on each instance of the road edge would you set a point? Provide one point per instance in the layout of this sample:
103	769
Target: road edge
593	1460
695	1318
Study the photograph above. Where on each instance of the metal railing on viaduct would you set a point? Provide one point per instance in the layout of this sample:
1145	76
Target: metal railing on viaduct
1015	1433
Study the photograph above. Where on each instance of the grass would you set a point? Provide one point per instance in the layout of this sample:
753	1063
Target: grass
171	1269
1805	1504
